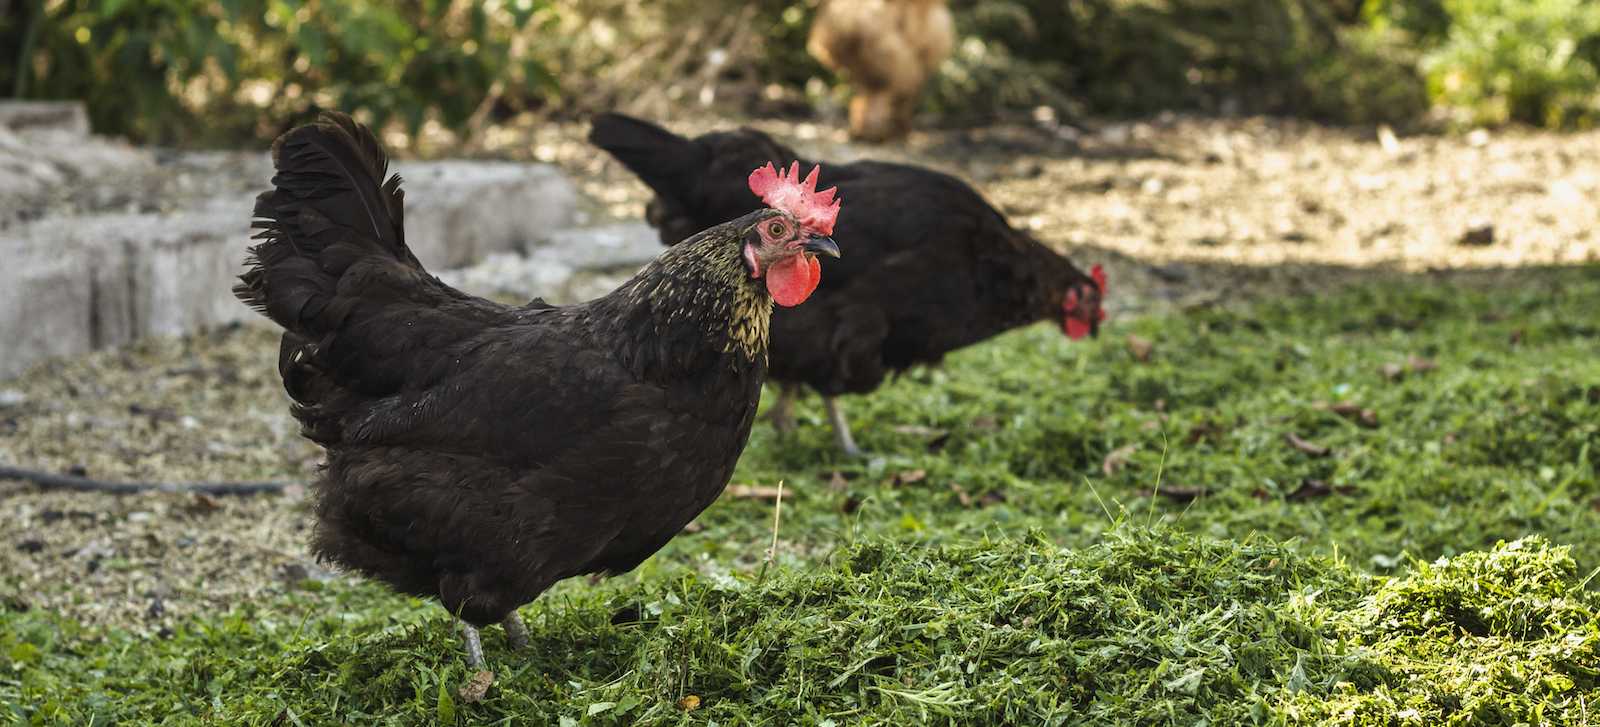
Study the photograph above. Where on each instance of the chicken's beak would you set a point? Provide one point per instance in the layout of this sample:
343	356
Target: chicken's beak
822	246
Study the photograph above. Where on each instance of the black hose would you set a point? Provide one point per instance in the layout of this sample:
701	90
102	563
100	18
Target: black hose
50	481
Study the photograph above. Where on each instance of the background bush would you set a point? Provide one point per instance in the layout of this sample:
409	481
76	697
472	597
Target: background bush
1494	61
210	70
1298	57
225	71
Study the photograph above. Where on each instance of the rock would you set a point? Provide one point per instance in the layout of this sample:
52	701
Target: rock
560	267
626	244
45	168
1477	236
44	306
94	160
69	116
509	274
476	687
1388	140
457	212
78	284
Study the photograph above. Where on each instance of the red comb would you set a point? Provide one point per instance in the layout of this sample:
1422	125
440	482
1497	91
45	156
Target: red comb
1099	275
814	210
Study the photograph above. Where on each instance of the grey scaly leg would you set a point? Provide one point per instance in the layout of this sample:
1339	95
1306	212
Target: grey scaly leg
516	631
782	412
474	644
841	427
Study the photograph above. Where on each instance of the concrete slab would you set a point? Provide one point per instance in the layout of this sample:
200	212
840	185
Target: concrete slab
80	281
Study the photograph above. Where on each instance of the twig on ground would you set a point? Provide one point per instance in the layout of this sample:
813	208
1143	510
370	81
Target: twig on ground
50	481
777	516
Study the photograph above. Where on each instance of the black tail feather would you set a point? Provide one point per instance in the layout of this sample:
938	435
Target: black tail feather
330	207
668	163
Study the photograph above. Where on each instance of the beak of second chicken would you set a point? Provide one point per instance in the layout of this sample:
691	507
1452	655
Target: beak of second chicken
820	245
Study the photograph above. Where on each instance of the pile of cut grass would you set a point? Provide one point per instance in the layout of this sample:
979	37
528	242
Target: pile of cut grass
1146	627
1047	533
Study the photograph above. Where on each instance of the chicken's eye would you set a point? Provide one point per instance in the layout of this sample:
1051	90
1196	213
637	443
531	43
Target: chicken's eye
775	230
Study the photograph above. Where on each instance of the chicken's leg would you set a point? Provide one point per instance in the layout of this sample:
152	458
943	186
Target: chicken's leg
841	427
474	644
516	631
782	412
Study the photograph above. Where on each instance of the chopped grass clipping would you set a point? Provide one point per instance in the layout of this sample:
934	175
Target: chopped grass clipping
1146	627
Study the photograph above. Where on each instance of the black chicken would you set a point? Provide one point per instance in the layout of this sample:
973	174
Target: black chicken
932	266
478	453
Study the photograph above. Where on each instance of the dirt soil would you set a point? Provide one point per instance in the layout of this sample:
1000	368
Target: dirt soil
1182	211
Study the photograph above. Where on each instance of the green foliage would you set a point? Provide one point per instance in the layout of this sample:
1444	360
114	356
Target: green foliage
1139	56
182	70
1500	637
988	566
222	70
656	57
1497	61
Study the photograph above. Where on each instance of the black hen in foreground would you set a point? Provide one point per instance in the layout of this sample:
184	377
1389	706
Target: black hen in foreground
932	266
477	453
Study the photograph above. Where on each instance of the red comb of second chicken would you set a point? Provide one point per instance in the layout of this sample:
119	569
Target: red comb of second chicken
814	210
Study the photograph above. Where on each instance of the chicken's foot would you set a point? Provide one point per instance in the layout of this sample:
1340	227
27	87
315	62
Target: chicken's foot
841	427
516	631
474	644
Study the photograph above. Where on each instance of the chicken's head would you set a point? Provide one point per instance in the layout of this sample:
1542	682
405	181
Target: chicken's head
1080	307
782	246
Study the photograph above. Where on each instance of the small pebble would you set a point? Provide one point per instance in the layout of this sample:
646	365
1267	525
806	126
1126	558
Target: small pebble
1478	236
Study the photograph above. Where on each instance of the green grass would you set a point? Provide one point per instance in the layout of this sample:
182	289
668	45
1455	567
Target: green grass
984	568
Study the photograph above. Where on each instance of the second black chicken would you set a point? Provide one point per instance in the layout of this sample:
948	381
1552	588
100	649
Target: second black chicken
933	266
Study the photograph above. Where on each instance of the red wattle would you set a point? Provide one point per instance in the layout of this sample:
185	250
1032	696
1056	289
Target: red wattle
791	281
1077	328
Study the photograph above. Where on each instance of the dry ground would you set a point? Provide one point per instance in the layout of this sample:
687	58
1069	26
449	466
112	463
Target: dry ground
1183	211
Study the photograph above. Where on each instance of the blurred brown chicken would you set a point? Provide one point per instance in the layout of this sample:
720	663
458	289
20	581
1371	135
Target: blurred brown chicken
888	49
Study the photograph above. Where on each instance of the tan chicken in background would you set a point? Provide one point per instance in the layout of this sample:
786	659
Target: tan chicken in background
888	49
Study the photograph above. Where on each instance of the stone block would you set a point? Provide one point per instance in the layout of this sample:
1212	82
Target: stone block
551	266
45	304
79	284
72	284
603	247
69	116
457	212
